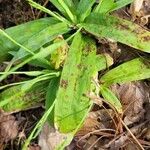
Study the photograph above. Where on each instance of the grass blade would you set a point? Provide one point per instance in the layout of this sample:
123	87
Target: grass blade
51	96
38	6
38	126
66	8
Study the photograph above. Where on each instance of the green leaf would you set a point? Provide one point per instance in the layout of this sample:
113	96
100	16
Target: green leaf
51	96
118	29
40	38
83	9
44	52
111	98
71	105
44	9
59	56
28	29
14	99
38	127
136	69
122	3
28	84
105	6
58	5
80	67
67	9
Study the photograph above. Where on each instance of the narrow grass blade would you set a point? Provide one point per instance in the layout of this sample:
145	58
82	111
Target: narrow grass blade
69	3
118	29
68	11
136	69
38	6
51	96
38	127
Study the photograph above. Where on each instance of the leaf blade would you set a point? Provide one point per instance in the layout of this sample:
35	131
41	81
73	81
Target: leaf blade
29	29
118	29
84	8
133	70
111	98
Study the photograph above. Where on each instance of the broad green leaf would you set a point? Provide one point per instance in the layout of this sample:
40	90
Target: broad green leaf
14	99
111	98
40	38
28	29
118	29
105	6
83	9
136	69
71	105
72	102
51	96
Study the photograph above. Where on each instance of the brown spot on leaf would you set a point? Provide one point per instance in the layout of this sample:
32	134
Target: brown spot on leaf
123	27
139	30
64	83
79	66
146	38
87	50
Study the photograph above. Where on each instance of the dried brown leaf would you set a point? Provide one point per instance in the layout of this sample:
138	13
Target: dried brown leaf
140	11
133	96
8	128
49	138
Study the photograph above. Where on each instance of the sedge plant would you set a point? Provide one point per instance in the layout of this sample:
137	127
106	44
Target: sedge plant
64	47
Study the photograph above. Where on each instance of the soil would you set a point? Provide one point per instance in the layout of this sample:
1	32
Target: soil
104	132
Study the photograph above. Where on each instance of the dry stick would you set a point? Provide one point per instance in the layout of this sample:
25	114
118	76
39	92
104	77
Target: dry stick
93	132
110	114
95	142
32	12
39	13
139	144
